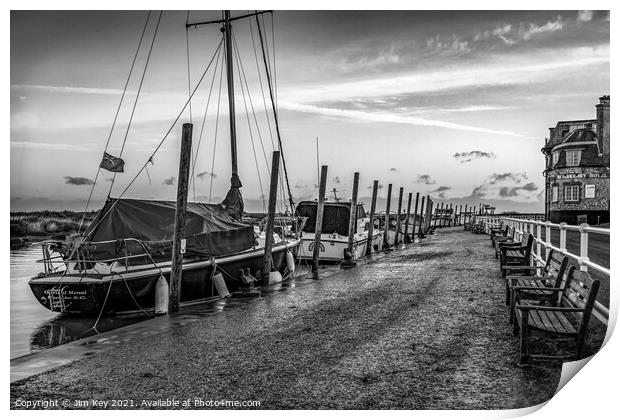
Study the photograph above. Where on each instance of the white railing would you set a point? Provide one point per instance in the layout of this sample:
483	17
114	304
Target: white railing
534	228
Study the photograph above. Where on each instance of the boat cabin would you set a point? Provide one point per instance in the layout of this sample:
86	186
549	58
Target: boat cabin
335	217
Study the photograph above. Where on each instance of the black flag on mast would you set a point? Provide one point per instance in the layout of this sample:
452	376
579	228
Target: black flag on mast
112	163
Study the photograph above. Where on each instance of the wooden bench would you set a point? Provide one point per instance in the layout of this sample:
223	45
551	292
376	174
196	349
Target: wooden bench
477	227
497	231
516	254
534	287
504	239
567	319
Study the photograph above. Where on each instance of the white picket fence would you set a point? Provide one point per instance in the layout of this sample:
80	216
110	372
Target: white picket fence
544	245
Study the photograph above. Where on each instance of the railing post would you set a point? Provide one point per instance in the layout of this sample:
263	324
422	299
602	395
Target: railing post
538	244
583	251
547	239
563	237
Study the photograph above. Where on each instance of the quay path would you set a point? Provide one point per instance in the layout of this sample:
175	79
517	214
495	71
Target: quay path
421	327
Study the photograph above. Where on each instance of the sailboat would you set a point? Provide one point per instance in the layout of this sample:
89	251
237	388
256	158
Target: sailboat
115	266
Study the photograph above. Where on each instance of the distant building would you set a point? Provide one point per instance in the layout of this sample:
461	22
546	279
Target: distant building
577	169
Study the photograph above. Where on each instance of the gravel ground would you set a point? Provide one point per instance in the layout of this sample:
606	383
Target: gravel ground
423	328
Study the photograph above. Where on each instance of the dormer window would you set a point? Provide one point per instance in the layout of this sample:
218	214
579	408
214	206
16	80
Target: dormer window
573	157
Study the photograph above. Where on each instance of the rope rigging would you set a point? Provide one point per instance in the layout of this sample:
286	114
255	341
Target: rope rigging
239	70
275	113
133	110
271	137
118	109
217	120
204	119
150	159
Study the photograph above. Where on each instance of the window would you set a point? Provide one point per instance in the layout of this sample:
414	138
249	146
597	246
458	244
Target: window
554	194
573	157
571	193
556	157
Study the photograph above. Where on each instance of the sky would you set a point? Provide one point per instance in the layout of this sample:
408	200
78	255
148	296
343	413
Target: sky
455	104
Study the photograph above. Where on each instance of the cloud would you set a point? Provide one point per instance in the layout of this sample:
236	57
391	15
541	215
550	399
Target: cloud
71	180
84	147
505	192
72	89
511	35
474	154
584	15
379	187
385	117
527	31
204	174
514	176
441	191
170	181
301	186
393	170
451	43
337	179
506	185
425	179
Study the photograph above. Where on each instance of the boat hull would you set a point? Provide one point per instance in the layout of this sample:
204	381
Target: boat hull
332	249
134	290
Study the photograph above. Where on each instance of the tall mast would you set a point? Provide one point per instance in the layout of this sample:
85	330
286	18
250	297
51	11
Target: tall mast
227	29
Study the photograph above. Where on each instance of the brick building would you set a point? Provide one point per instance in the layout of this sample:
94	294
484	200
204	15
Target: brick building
577	169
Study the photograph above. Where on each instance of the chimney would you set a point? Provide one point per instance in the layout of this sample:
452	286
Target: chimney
602	124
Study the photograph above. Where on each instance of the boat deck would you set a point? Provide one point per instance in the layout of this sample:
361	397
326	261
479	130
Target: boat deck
421	327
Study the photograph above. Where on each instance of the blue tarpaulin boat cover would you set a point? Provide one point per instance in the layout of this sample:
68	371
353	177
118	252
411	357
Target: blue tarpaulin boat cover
209	229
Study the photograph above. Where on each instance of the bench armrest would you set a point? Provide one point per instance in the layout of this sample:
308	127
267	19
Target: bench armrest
527	267
551	289
548	308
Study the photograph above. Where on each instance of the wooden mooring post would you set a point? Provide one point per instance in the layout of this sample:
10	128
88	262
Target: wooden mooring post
451	218
319	223
387	217
406	238
400	208
373	208
441	215
429	212
422	221
178	241
353	220
271	215
460	219
415	213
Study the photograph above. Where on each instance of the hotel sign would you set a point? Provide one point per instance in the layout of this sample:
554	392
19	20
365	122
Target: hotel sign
582	175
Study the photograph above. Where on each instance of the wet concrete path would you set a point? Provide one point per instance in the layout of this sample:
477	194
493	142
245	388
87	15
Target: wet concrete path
424	327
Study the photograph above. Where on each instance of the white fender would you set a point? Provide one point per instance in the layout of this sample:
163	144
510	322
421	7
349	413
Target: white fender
275	277
220	285
161	296
290	261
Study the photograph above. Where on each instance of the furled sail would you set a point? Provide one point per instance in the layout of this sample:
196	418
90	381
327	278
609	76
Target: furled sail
209	230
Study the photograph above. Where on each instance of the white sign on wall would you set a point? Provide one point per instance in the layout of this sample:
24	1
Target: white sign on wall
590	190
